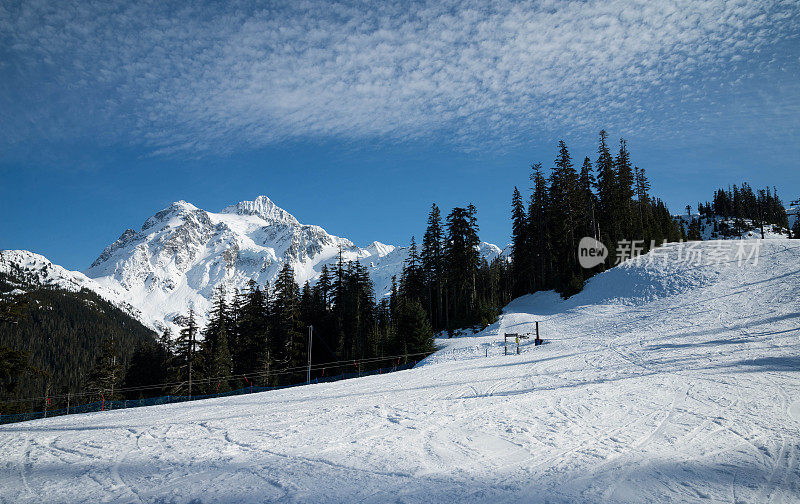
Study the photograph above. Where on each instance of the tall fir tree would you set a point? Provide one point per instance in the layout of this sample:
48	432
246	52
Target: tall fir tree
186	355
251	354
107	373
149	367
415	335
588	201
624	191
520	250
287	339
606	193
539	248
462	261
432	258
565	200
215	351
641	186
412	280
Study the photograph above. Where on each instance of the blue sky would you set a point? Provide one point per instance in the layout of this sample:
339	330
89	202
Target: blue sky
357	116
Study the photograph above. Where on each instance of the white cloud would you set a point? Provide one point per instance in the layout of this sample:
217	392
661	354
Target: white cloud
232	75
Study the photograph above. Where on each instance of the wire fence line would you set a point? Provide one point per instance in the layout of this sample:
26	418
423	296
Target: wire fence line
356	363
103	405
170	399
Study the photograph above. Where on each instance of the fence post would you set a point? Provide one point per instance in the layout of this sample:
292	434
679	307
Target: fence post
310	333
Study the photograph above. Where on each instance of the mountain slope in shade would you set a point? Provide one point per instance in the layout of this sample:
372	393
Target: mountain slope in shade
27	270
183	253
61	322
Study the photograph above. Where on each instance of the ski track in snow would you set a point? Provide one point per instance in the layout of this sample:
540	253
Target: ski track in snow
686	388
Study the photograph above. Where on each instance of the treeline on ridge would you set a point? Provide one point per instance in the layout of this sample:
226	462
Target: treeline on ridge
738	209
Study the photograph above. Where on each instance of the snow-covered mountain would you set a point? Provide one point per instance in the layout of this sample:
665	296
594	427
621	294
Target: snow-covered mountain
180	255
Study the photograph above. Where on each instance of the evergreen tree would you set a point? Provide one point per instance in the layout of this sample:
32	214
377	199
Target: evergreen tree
539	248
588	201
519	244
565	197
462	261
186	355
149	367
414	332
412	280
11	310
432	258
694	231
250	353
642	190
324	318
624	191
368	333
324	286
107	373
215	351
288	345
384	342
607	193
14	364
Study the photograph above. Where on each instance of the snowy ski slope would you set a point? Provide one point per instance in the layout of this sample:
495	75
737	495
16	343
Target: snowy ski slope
658	383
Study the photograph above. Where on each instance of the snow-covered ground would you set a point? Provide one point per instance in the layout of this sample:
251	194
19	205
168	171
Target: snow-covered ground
771	231
660	382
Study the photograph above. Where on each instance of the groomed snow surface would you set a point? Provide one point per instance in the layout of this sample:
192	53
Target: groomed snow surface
660	382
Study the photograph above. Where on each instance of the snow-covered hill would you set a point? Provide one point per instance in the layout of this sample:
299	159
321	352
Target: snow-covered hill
718	228
182	254
665	380
28	270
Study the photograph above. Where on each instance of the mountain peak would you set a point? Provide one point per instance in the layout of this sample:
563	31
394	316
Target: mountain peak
380	249
263	207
